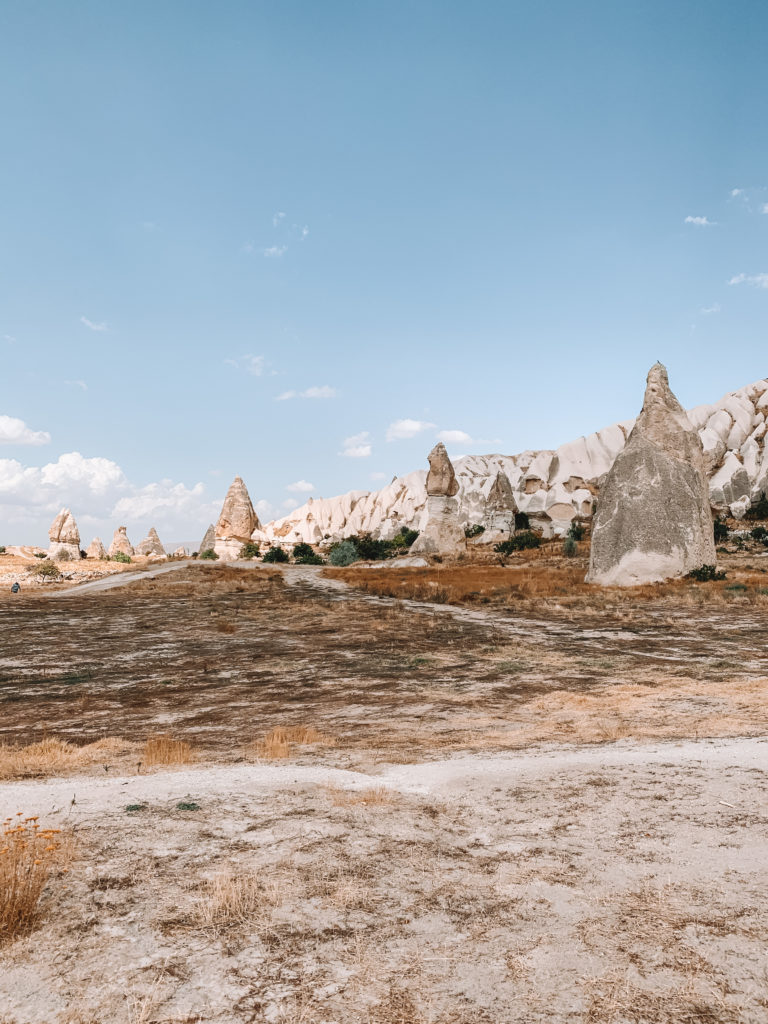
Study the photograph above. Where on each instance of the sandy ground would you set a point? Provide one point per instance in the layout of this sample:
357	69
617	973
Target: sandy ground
520	817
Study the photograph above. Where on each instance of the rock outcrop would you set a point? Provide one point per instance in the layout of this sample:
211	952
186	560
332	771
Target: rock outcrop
209	540
120	543
96	550
440	531
151	545
550	486
238	522
500	509
64	537
653	519
181	552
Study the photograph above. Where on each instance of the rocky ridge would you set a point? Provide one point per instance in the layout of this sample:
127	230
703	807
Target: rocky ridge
550	486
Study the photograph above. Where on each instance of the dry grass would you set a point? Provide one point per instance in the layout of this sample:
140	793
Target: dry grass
164	750
51	756
277	743
27	856
376	796
230	899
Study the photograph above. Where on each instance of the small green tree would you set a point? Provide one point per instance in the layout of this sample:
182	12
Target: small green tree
473	531
275	555
721	530
303	554
250	550
209	555
46	569
120	556
570	547
576	530
520	542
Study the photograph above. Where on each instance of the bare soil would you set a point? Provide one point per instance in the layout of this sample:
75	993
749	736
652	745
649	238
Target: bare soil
504	813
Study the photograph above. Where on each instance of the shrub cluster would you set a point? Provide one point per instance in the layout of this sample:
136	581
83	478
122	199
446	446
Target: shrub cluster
250	550
120	556
473	531
46	569
721	530
209	555
705	573
570	546
576	530
522	522
2	549
759	533
520	542
304	555
758	509
342	554
275	555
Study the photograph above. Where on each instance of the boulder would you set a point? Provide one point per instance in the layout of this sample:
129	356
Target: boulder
64	537
96	550
120	543
181	552
237	523
151	545
209	540
441	532
653	518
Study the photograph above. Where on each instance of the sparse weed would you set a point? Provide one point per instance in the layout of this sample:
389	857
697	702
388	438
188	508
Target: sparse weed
164	749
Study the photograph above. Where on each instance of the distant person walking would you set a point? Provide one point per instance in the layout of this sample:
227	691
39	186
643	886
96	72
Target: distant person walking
15	588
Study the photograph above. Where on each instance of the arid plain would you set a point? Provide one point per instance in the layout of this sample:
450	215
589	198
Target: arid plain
472	792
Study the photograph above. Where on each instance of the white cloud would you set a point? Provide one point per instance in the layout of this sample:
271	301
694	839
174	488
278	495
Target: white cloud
255	365
93	326
290	503
702	222
314	392
100	496
304	232
402	429
13	431
378	476
265	510
358	446
276	218
763	210
77	384
300	485
758	280
454	437
736	192
275	251
708	310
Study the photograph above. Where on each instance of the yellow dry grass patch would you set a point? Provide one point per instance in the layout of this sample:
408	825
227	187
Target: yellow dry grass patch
376	796
164	749
277	743
28	854
52	756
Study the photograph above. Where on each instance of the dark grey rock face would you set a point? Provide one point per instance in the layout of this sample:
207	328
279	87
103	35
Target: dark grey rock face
653	518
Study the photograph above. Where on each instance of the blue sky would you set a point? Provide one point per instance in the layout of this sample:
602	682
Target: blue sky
479	218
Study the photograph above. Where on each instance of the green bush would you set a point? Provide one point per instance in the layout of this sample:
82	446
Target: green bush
520	542
209	555
576	531
250	550
570	547
275	555
404	538
705	573
741	587
370	549
721	530
47	569
522	522
758	509
759	533
304	555
40	554
120	556
343	553
2	549
473	531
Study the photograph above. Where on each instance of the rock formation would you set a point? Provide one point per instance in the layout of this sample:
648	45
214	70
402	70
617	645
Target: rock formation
120	543
209	540
64	537
500	508
551	486
151	545
653	519
238	522
440	531
96	550
181	552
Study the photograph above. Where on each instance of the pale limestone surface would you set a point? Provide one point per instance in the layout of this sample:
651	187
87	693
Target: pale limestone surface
120	543
64	537
96	550
653	519
440	531
543	481
238	521
151	545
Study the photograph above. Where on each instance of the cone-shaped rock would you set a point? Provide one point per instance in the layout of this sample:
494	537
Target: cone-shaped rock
440	531
653	518
64	536
96	550
500	508
441	478
209	540
151	545
237	521
120	543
